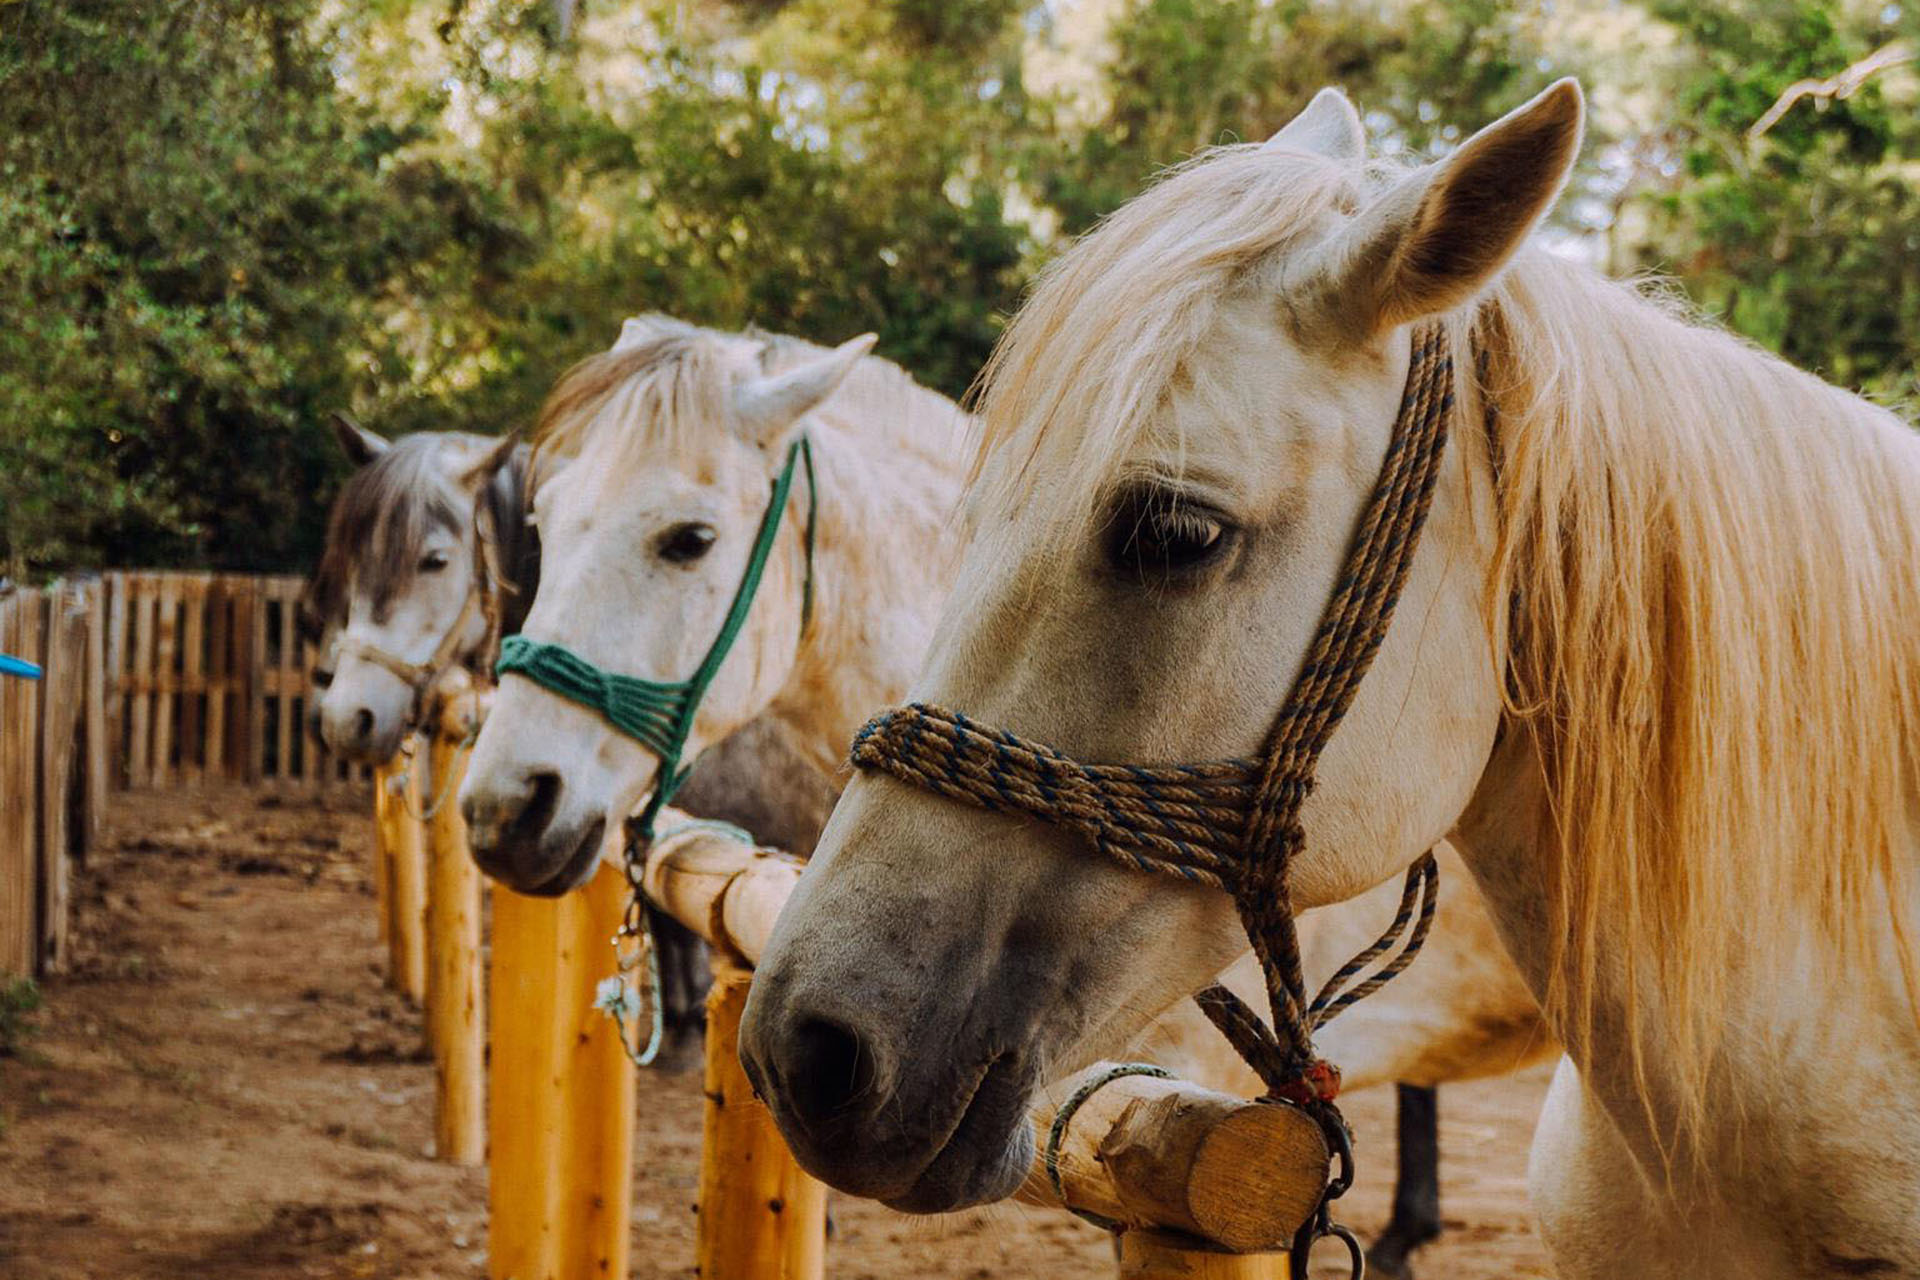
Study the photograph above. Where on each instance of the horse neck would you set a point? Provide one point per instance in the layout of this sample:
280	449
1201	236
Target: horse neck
884	557
1785	1023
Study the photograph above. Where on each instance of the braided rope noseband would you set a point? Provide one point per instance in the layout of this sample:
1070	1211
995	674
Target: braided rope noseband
1233	825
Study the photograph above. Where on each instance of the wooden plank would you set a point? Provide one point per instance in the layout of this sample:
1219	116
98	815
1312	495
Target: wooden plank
100	759
253	670
219	612
193	678
18	768
760	1214
287	685
62	700
141	605
455	1029
114	670
166	662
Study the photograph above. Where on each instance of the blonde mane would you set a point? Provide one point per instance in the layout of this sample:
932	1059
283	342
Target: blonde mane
672	390
1716	560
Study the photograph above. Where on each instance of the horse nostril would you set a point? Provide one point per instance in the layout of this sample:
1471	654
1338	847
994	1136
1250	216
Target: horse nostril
362	725
543	798
825	1070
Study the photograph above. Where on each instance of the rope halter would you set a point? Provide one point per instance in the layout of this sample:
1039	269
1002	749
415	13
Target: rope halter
483	600
1234	825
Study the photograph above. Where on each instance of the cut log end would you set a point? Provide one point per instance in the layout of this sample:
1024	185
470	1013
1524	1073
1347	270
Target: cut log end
1150	1153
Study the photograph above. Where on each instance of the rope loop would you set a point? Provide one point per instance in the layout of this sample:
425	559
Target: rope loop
1057	1132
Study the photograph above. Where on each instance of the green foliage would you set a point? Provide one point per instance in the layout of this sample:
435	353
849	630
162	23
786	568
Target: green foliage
1189	74
221	221
203	229
19	1001
1808	238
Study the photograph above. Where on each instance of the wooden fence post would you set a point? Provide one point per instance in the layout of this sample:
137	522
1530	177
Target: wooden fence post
454	1021
140	683
166	682
523	1087
1150	1255
20	628
397	793
559	1090
596	1170
100	758
62	692
113	677
761	1217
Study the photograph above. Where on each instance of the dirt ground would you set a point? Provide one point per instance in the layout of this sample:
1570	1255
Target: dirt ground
223	1088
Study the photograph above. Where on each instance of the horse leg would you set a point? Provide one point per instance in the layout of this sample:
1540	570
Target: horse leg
1416	1187
684	980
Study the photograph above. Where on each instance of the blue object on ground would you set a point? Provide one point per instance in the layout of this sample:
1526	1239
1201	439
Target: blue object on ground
10	666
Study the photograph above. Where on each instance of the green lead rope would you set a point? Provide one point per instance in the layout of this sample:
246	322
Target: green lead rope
659	716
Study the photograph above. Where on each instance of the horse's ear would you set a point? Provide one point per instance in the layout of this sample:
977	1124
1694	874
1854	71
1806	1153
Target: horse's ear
1444	233
650	327
359	444
1329	126
768	405
479	475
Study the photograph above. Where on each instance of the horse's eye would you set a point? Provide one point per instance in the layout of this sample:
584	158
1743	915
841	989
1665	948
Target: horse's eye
685	543
322	678
433	562
1157	535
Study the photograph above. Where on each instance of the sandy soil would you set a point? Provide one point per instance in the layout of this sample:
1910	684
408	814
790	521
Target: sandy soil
223	1088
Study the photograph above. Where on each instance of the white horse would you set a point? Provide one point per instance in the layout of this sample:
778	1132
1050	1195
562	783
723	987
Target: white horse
1654	671
654	462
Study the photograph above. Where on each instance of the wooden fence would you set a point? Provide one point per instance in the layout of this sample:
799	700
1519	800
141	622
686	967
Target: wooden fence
53	748
207	677
150	679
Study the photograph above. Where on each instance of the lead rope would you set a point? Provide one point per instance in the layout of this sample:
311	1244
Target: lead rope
1235	824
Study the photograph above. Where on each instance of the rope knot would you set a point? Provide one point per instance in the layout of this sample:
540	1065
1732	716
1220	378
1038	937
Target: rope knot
1318	1082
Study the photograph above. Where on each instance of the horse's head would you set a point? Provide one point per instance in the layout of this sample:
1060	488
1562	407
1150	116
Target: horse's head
653	472
396	591
1183	427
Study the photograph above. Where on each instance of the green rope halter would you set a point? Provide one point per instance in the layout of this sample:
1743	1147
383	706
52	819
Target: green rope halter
660	715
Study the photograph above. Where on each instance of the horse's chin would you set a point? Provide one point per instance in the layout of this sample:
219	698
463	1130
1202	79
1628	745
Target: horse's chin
558	862
984	1158
970	1172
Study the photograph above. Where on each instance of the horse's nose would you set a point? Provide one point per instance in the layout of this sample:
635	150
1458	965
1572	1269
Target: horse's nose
822	1069
349	729
507	826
